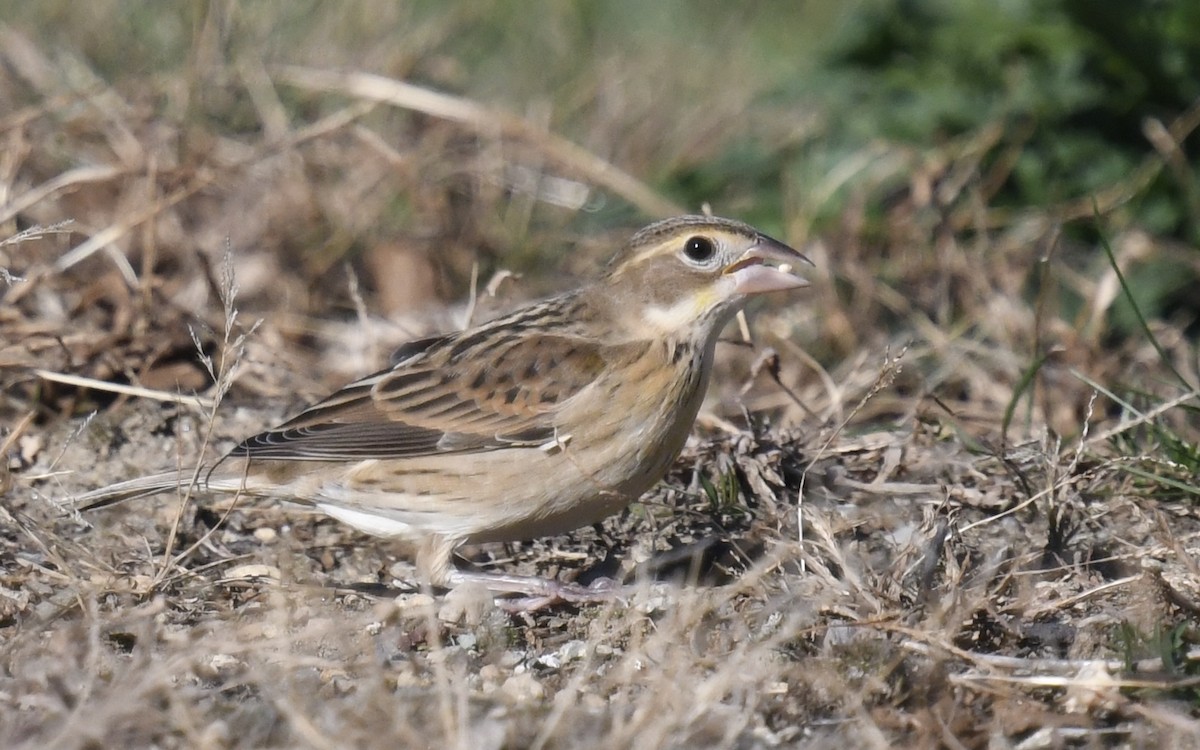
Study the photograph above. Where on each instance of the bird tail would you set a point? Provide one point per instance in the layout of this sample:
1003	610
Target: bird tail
132	489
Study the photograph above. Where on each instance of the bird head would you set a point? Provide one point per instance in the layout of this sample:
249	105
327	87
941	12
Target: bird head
690	274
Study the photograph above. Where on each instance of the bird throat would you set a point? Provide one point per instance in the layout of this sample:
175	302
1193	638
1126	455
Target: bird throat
685	314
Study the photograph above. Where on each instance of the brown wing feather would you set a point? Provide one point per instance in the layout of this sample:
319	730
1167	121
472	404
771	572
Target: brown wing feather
468	392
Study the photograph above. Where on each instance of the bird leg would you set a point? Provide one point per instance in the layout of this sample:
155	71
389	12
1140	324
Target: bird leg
434	564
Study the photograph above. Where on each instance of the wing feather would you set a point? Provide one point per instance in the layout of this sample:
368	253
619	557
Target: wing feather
443	397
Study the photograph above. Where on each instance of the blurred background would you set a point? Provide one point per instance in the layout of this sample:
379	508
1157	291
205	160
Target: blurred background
969	175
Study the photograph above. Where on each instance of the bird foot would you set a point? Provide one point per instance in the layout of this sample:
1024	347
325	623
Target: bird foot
538	592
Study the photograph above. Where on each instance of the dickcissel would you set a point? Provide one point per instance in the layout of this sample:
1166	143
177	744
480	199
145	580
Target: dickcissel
547	419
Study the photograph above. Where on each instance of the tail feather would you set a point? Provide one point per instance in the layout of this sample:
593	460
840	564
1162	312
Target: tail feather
133	489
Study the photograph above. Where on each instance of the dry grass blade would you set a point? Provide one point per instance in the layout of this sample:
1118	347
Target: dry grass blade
110	234
1139	419
198	402
59	183
487	122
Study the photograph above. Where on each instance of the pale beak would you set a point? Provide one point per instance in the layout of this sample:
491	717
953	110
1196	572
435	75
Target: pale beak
767	267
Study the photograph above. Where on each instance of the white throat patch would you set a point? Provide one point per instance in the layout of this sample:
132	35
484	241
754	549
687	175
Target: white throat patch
682	314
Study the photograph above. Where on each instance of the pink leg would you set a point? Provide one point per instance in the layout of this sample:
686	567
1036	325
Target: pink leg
539	592
433	561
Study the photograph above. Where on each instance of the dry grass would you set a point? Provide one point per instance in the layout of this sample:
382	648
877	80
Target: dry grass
917	538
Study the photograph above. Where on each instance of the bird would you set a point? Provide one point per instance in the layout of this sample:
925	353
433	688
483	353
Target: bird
541	421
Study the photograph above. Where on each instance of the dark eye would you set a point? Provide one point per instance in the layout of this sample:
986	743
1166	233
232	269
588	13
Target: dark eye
699	249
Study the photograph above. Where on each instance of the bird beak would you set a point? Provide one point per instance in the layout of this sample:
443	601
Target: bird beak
766	267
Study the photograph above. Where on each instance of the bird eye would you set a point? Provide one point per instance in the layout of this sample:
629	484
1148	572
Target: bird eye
699	249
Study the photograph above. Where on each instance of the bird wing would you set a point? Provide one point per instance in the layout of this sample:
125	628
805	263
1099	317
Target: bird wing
460	393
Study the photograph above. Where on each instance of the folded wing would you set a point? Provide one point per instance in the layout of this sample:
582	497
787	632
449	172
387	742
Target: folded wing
452	394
